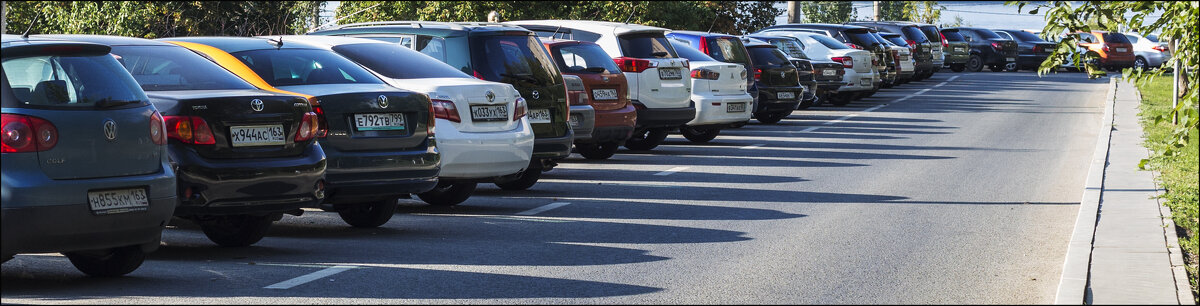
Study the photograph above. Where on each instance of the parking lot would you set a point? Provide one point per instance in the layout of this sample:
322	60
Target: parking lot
960	188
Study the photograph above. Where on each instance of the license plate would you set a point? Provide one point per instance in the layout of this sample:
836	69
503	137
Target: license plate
735	107
379	122
573	121
1011	59
1122	50
256	135
960	49
669	74
604	94
864	82
106	202
539	115
785	95
829	72
489	112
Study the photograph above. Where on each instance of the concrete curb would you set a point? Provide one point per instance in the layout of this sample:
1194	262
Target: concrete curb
1073	284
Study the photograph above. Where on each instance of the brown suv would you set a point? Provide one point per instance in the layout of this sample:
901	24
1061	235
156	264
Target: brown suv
604	89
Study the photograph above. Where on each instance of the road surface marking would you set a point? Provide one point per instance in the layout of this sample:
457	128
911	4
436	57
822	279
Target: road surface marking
952	78
754	146
672	170
288	284
874	108
921	91
810	129
940	84
543	208
843	118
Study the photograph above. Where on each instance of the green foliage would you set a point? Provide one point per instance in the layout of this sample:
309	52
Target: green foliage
153	19
893	10
731	17
827	11
916	11
958	22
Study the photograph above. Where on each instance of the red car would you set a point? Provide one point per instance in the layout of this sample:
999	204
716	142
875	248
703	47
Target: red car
1113	49
604	89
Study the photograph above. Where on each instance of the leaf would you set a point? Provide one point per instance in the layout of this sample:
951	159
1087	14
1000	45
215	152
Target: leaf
1142	164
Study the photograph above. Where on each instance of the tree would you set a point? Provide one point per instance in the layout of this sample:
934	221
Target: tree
153	19
893	10
827	11
924	11
1178	20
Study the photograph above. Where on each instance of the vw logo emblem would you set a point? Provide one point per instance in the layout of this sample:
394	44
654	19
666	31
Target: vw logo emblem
256	105
382	100
782	74
536	95
491	96
110	130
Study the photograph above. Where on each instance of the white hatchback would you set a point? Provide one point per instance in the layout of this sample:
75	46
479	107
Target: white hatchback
481	129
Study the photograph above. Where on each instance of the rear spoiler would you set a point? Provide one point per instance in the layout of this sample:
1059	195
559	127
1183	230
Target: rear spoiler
42	47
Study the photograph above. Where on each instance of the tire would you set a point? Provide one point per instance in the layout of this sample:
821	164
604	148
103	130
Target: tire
447	193
995	68
527	179
768	118
841	98
975	63
235	230
1011	67
108	263
1141	63
646	140
597	150
958	67
699	135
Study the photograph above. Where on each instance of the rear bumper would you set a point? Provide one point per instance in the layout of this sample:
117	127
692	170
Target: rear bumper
582	121
615	125
714	109
958	58
606	134
768	99
858	81
247	185
1118	62
381	174
483	154
663	117
1031	60
553	147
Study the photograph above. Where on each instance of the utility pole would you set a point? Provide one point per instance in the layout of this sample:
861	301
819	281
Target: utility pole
4	21
793	12
875	6
1179	82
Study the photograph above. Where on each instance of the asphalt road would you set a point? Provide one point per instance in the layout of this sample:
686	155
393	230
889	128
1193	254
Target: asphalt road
962	188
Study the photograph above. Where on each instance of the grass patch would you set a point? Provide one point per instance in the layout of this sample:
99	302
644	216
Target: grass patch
1178	174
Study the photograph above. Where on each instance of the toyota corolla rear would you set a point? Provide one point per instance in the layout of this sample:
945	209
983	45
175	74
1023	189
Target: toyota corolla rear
83	152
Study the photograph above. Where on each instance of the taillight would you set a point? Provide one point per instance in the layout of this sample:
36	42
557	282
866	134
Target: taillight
629	64
846	61
757	74
26	134
996	45
853	46
519	109
1159	48
443	109
1105	48
189	130
911	43
706	74
322	125
476	74
945	44
158	129
308	127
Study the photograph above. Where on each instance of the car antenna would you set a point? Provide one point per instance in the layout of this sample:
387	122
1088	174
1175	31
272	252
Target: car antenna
277	42
556	31
710	25
631	12
35	21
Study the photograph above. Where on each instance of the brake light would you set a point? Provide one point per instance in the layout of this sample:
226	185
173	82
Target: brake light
945	44
911	43
444	109
158	129
706	74
704	45
322	125
757	74
519	109
189	130
853	46
846	61
629	64
1159	48
26	134
1104	47
476	74
308	127
996	45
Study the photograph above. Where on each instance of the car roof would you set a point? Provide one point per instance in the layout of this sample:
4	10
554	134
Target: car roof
232	44
603	27
824	26
110	40
327	41
901	23
770	36
701	34
548	41
429	27
751	42
17	44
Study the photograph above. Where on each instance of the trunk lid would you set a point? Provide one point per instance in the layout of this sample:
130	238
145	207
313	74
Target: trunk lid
236	116
467	94
729	81
359	120
83	150
519	59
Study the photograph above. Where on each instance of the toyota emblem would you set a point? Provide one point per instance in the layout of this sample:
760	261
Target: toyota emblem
536	95
491	96
256	105
382	100
110	130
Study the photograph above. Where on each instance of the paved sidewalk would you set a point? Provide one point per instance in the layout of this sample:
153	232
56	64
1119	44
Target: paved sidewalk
1131	256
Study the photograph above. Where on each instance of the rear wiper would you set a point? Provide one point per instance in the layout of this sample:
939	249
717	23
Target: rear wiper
108	102
595	69
659	54
519	77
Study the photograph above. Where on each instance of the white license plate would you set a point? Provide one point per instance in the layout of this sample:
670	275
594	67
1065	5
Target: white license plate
1011	59
785	95
256	135
573	120
829	72
735	107
107	202
539	115
669	74
1122	50
960	49
489	112
604	94
379	122
864	82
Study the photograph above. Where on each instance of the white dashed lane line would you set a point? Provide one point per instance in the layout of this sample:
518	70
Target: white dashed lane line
672	171
754	146
543	208
873	108
288	284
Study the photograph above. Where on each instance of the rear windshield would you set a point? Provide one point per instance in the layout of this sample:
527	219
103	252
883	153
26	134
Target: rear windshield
896	39
586	58
790	47
986	34
914	34
953	36
1152	37
1115	38
71	81
860	38
1132	38
397	62
158	68
686	51
727	49
829	42
931	32
509	59
304	67
1025	36
768	56
646	45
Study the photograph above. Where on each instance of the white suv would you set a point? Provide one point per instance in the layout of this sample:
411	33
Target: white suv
660	84
860	74
481	129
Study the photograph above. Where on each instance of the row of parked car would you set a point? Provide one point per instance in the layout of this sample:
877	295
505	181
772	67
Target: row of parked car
106	138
